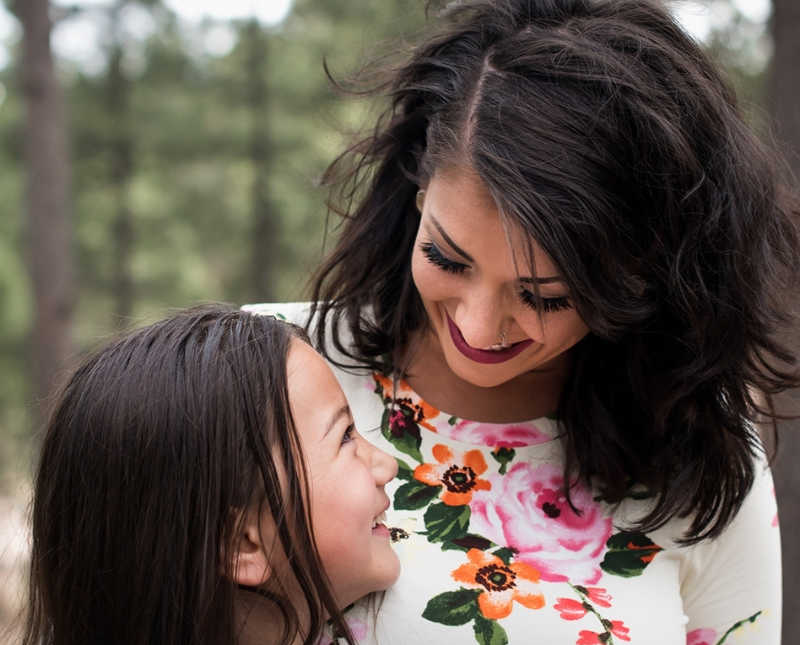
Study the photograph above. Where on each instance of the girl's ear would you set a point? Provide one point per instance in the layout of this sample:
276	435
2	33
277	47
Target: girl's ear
250	564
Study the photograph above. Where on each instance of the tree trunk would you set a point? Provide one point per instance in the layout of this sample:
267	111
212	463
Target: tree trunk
785	79
121	170
49	230
264	245
785	108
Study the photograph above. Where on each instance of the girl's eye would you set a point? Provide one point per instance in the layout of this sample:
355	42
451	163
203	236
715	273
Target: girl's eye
347	437
437	258
547	304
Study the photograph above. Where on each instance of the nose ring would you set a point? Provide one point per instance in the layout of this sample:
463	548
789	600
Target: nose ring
501	344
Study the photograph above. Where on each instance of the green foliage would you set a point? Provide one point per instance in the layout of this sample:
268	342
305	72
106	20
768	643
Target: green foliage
190	191
741	48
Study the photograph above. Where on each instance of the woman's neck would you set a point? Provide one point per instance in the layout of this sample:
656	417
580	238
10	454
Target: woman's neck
528	396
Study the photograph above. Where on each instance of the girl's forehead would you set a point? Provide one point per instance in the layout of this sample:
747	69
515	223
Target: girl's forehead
315	396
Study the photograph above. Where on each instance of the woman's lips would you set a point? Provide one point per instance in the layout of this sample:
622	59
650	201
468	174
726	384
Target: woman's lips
483	355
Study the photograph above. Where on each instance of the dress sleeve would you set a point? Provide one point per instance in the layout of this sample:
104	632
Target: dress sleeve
731	585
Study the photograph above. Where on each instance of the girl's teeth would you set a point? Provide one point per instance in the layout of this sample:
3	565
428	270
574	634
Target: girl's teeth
379	520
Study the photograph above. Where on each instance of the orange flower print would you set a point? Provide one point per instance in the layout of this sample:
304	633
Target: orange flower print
458	475
501	583
419	412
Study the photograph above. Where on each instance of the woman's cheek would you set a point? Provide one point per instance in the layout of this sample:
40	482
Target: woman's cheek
432	283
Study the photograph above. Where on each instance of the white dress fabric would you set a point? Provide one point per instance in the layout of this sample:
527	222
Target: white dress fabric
492	553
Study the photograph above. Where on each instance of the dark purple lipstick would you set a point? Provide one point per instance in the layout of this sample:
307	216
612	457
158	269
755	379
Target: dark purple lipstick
483	355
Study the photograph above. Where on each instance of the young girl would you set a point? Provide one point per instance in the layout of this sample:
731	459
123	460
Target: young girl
201	481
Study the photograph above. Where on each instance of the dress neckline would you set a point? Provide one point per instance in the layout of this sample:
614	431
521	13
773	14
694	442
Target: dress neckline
405	407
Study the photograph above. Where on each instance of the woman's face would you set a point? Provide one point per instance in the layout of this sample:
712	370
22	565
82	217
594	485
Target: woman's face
476	295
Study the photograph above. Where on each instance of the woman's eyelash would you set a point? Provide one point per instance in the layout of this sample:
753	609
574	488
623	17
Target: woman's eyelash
437	258
547	304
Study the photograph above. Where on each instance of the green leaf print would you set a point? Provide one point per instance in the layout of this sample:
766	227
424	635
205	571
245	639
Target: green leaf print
453	607
402	432
489	632
737	625
404	471
503	456
446	523
413	495
505	554
628	554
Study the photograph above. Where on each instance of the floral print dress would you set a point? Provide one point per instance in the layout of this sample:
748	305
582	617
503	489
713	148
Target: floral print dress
492	552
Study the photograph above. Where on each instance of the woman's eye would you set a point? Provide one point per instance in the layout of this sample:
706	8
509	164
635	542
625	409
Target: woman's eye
347	437
435	257
547	304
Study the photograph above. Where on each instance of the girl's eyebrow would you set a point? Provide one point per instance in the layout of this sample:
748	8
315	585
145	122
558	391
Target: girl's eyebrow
343	411
546	280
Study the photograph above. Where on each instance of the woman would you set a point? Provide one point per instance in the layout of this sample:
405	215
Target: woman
556	291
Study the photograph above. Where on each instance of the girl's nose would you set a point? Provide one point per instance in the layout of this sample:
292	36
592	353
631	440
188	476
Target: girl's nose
383	465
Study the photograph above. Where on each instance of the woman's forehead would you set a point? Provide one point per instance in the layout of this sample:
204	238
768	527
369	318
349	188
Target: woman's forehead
462	210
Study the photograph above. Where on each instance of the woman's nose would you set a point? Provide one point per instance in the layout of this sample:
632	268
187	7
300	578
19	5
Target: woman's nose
479	319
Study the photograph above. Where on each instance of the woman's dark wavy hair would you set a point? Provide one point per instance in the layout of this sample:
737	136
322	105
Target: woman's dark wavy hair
604	133
155	443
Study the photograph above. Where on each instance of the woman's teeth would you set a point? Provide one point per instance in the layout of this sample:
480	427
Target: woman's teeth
379	520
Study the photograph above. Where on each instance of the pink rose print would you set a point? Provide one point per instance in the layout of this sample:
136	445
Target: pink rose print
526	510
498	434
701	637
357	626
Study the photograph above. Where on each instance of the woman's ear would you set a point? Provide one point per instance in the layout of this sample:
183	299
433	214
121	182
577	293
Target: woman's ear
249	562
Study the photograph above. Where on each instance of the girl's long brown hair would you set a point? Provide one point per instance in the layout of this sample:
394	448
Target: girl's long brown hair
156	440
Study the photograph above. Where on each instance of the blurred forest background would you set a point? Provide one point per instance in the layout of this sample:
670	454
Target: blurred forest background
154	157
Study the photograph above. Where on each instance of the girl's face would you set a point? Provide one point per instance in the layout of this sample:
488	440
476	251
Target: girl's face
476	295
346	477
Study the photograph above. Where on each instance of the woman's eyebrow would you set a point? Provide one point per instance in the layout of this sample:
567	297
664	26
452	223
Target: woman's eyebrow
450	242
